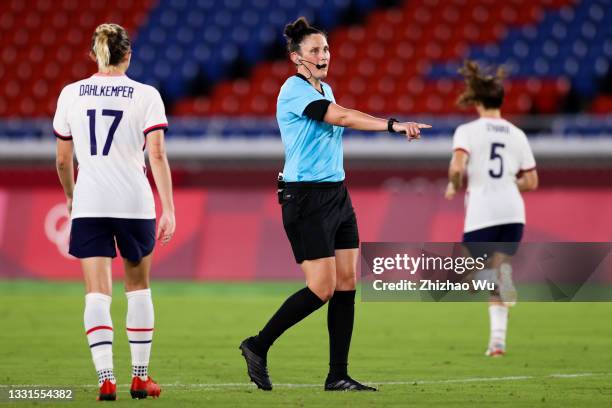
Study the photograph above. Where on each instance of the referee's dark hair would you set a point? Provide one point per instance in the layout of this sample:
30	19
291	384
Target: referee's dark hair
481	88
295	32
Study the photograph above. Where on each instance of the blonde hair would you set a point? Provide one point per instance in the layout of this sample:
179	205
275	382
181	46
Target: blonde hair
109	44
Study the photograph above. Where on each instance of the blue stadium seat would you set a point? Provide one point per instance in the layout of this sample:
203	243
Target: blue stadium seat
572	41
214	35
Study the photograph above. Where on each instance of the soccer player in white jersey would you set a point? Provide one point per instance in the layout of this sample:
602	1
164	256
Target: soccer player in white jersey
107	120
496	157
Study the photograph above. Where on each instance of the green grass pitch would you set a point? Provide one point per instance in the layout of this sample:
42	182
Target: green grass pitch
420	354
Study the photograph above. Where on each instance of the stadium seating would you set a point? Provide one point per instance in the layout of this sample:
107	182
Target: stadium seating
391	65
571	42
265	126
206	41
221	58
45	44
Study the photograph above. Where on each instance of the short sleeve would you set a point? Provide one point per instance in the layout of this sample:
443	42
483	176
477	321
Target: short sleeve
527	159
61	127
299	97
155	113
316	110
461	140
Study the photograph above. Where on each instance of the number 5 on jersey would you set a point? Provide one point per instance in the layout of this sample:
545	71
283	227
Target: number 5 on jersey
494	156
91	113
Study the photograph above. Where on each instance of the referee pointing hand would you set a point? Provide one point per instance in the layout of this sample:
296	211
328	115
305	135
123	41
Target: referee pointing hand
317	212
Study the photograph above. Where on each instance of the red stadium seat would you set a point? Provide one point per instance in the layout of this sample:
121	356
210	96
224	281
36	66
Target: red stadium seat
397	59
389	55
602	105
52	39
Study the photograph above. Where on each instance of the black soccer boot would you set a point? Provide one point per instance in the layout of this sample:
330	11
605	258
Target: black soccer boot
346	384
256	366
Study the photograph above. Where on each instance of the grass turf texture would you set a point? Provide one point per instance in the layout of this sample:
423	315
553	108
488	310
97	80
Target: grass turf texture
434	351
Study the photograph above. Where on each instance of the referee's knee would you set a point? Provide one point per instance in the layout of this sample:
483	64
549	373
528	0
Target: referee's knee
346	282
323	292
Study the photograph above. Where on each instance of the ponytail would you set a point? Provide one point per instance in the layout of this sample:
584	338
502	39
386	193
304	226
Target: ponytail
480	87
110	44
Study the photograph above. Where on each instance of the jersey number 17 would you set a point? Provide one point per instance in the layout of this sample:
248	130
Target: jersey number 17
91	113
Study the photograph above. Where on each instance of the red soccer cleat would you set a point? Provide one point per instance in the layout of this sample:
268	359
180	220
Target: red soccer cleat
496	350
143	389
108	391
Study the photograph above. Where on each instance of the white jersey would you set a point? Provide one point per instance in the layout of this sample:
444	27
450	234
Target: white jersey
497	150
108	118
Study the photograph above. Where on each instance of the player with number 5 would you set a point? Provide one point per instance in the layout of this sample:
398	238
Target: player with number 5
499	165
107	120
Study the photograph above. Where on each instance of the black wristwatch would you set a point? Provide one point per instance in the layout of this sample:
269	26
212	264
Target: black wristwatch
390	123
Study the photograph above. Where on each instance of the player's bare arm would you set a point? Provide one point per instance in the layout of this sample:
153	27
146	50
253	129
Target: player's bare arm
528	181
65	168
163	180
456	171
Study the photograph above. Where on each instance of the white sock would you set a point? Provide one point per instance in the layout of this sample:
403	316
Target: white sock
498	316
99	331
489	275
139	322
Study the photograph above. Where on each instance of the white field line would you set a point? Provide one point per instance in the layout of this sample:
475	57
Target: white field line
213	386
573	375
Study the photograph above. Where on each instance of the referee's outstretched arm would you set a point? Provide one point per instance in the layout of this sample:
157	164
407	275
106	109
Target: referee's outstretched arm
339	116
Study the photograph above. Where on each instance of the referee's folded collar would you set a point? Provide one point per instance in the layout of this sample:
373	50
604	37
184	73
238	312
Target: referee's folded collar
306	79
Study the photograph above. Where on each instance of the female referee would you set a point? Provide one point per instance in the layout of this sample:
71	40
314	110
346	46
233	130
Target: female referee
317	212
499	165
106	119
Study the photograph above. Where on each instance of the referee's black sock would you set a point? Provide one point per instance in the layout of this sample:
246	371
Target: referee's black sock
340	315
296	307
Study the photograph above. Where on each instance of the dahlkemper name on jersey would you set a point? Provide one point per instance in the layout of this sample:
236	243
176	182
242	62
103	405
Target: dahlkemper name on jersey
108	119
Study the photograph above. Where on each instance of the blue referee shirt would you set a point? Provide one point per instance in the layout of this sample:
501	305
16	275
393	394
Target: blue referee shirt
313	149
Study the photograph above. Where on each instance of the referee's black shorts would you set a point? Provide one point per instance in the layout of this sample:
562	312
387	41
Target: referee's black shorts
318	219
